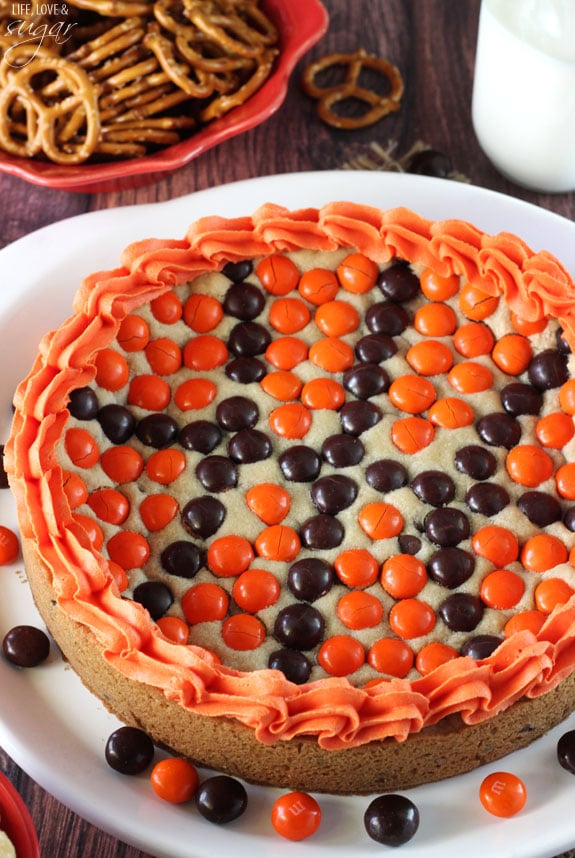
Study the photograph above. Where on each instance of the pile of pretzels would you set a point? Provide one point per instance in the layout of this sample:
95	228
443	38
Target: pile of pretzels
115	79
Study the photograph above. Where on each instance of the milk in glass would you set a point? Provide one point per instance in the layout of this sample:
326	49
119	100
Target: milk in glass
523	105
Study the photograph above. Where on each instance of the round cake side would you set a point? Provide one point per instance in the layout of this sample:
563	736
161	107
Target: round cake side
443	750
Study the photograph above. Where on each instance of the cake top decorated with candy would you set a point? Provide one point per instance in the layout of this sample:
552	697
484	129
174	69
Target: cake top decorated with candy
311	470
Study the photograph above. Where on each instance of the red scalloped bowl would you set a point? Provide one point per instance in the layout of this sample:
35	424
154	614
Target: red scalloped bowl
16	821
301	23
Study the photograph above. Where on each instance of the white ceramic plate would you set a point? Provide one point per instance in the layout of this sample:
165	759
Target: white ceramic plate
56	731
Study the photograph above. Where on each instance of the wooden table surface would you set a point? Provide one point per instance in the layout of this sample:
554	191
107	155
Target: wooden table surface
433	43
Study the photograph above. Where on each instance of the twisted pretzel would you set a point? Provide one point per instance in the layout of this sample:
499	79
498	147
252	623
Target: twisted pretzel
49	121
327	97
198	86
232	26
225	103
110	43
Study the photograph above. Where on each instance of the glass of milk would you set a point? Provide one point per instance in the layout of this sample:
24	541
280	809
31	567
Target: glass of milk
523	106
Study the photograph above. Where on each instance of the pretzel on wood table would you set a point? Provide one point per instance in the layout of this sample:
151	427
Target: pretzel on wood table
328	97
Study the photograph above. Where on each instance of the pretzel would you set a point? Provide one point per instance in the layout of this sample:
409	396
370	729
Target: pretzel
18	126
225	103
113	41
123	138
179	73
18	55
229	25
46	119
205	53
327	97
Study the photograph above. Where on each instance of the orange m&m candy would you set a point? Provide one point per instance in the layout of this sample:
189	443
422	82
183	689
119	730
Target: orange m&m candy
123	464
470	377
112	371
164	356
543	551
174	628
9	546
165	466
174	780
270	502
565	480
411	618
497	544
229	555
318	285
412	393
109	505
243	632
552	592
167	308
435	320
92	530
567	396
512	354
336	318
359	610
204	603
449	412
412	434
202	313
289	315
256	589
357	273
530	621
356	567
527	328
429	357
529	465
438	288
133	334
380	520
195	393
278	542
502	589
290	421
120	578
473	339
149	391
391	656
205	352
282	385
157	511
74	488
433	655
279	275
323	393
128	549
341	655
286	352
475	303
403	576
555	430
332	354
502	794
296	816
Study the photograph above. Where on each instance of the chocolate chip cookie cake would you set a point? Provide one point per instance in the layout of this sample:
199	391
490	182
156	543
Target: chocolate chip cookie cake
297	494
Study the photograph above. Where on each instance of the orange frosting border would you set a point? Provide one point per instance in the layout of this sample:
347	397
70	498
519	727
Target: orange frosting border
534	284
